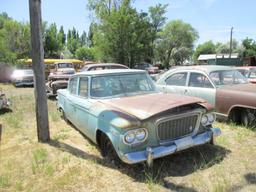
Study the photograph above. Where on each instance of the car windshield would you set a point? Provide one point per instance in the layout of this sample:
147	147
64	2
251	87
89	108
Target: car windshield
121	85
227	77
65	65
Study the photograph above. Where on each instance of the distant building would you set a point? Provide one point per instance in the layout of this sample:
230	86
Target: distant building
219	59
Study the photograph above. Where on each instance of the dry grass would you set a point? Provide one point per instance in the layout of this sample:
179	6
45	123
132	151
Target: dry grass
71	163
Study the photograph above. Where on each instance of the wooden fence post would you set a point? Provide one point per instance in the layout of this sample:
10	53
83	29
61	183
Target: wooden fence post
43	132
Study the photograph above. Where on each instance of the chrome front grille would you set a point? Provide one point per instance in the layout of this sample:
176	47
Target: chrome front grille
177	126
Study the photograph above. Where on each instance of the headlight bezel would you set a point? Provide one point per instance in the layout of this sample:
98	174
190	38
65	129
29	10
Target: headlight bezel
136	140
211	117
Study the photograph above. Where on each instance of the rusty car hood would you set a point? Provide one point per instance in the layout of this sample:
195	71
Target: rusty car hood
148	105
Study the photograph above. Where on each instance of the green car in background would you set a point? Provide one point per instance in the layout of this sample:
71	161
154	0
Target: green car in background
121	111
224	87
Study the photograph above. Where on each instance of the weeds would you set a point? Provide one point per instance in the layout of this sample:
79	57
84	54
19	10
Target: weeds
4	181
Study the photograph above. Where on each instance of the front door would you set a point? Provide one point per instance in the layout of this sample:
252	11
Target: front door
200	86
176	83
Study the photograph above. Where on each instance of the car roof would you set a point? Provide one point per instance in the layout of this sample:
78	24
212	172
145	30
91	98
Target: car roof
104	64
205	68
110	71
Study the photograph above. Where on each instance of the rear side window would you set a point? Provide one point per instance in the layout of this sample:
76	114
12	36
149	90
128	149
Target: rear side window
199	80
177	79
83	87
73	86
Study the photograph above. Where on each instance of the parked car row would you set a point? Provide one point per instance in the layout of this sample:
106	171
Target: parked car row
134	119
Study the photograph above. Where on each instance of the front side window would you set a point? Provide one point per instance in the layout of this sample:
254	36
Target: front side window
178	79
83	87
199	80
121	85
227	77
73	86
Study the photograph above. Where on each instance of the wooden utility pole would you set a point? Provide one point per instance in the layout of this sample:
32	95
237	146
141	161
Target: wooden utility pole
230	46
43	133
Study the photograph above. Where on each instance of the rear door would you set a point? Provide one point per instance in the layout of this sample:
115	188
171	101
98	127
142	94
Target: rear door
82	106
71	96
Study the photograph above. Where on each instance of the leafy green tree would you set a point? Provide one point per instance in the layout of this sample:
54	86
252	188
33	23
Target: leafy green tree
157	21
249	47
90	34
61	37
85	53
73	41
14	39
51	45
205	48
122	34
83	40
176	43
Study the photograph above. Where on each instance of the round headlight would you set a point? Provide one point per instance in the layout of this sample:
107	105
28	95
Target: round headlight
140	134
211	118
204	120
129	138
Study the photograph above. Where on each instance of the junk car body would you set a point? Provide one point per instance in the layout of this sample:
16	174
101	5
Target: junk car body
121	111
223	87
4	102
58	78
23	77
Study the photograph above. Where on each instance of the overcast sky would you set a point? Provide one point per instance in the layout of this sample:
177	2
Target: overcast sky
211	18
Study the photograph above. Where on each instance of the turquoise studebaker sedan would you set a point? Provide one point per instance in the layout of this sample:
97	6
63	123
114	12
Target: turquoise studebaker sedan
121	111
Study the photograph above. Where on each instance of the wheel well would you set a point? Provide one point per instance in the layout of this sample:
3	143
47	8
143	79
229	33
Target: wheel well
99	134
235	114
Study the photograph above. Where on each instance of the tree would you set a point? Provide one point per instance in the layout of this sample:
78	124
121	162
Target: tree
84	39
176	43
85	53
90	34
205	48
51	45
73	41
61	37
14	39
122	34
157	20
249	46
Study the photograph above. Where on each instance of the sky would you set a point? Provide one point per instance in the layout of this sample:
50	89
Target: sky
212	19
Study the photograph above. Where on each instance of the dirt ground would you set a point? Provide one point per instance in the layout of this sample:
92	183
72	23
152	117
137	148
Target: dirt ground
70	162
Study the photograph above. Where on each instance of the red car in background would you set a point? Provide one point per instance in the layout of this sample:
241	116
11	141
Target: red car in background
249	72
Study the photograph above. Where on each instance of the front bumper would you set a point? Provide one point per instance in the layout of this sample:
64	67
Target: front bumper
178	145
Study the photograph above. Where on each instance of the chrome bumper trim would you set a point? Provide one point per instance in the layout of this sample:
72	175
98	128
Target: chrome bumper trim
156	152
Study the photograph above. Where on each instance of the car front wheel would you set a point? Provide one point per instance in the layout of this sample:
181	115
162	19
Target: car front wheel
108	151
